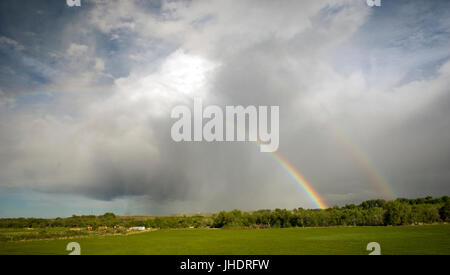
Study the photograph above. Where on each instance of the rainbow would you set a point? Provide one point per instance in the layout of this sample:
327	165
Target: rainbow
300	179
363	161
375	176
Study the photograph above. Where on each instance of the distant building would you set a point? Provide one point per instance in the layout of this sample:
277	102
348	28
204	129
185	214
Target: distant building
138	228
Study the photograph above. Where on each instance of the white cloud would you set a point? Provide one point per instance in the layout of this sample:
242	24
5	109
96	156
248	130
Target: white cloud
10	42
76	50
99	65
179	77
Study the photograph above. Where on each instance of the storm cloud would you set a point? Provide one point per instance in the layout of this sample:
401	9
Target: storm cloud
86	96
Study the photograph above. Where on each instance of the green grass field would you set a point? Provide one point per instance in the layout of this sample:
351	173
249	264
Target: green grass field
427	239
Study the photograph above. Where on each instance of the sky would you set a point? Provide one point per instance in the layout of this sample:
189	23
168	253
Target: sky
86	95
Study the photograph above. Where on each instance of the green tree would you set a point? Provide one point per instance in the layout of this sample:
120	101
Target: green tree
397	213
444	212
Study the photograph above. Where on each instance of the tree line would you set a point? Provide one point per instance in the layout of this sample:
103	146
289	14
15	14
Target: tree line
368	213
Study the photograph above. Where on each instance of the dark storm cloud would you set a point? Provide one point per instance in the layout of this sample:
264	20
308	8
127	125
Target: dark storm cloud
119	67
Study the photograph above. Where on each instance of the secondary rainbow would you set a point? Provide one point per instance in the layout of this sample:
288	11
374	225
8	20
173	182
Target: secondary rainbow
368	167
376	177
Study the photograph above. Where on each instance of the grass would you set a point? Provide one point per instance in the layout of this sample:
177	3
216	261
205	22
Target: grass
37	234
27	234
427	239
